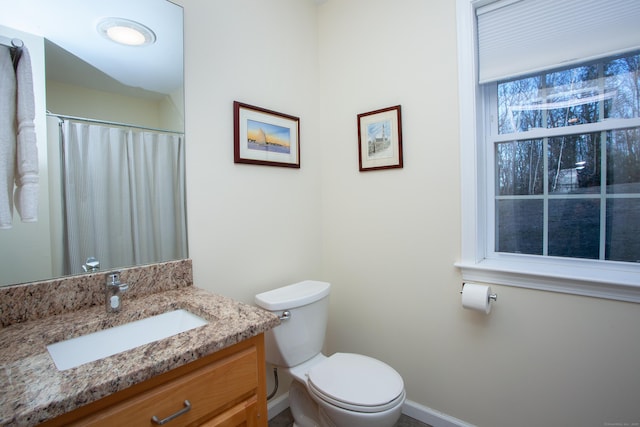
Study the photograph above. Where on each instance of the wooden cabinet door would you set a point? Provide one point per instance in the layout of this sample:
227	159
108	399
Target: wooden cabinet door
207	389
244	414
225	388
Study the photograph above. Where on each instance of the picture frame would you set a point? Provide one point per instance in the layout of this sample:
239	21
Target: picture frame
380	139
265	137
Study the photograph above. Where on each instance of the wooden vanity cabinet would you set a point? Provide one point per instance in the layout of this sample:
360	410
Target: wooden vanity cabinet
224	389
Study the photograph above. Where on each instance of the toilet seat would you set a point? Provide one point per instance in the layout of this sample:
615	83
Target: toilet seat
356	382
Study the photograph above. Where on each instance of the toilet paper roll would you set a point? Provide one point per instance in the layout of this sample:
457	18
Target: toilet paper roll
476	297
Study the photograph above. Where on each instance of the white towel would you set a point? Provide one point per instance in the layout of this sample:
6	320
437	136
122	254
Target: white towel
7	136
26	173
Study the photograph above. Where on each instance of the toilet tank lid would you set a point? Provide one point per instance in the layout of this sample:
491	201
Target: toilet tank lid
291	296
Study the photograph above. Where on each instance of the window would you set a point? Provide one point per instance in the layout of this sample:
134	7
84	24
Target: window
550	151
566	151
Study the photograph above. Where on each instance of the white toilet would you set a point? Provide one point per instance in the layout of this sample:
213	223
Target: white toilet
342	390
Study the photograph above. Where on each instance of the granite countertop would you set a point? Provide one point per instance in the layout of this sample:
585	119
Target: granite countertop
34	390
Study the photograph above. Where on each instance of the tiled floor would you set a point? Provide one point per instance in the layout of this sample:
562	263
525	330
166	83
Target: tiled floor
284	419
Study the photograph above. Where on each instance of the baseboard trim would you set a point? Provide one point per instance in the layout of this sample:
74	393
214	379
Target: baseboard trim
411	409
277	405
431	416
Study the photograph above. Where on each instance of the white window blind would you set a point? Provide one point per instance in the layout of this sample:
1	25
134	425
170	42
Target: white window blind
517	37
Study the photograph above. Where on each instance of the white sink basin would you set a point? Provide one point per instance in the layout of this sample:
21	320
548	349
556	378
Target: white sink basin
88	348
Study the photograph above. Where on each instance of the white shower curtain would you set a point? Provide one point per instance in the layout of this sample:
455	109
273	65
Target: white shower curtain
124	195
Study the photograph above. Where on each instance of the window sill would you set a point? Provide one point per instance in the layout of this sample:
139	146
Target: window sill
591	278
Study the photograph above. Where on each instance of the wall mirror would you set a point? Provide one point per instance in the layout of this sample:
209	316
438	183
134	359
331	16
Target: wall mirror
110	129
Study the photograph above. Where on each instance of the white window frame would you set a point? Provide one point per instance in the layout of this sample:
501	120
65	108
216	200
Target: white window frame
602	279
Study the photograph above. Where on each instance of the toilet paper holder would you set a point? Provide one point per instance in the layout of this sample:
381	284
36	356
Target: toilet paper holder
493	297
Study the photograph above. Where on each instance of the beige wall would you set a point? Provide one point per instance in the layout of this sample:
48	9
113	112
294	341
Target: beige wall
386	240
72	100
251	228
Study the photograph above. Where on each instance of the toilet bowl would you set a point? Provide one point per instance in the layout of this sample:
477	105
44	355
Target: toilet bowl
341	390
356	390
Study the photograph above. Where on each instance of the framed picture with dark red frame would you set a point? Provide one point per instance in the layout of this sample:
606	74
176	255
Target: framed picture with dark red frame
265	137
380	139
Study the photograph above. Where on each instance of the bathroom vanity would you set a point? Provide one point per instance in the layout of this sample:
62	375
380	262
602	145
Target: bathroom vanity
212	375
226	388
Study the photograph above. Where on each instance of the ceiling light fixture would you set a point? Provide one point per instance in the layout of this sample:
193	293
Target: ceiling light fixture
126	32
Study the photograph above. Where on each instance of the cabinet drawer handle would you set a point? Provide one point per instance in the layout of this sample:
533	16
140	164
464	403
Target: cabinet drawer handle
187	408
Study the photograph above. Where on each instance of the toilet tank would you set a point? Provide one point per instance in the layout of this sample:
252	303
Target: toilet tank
300	337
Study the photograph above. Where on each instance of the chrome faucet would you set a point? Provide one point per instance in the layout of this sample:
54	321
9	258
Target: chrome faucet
91	265
113	289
